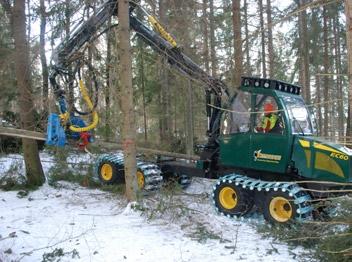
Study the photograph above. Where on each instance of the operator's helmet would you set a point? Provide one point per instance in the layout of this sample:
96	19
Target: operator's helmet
269	108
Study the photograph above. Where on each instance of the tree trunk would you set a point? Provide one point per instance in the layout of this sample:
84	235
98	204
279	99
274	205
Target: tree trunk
29	25
214	65
262	30
348	12
326	72
125	75
34	171
67	27
189	118
248	60
45	73
165	111
91	48
142	85
270	40
206	36
340	104
319	108
304	76
236	19
108	83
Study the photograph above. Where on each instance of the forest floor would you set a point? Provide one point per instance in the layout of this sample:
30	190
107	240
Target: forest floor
68	222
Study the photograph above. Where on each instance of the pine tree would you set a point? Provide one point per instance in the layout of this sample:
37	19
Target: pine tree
348	12
236	7
34	171
125	76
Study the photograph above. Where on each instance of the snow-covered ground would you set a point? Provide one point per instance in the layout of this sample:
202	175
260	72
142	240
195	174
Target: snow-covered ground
73	223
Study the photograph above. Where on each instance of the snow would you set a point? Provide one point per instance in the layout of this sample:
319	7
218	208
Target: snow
93	225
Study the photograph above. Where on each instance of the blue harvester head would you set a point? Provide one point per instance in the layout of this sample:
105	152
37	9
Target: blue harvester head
55	135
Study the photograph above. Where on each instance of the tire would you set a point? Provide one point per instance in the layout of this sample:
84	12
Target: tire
279	207
108	173
232	200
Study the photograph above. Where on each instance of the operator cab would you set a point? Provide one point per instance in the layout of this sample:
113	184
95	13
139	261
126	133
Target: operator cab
258	130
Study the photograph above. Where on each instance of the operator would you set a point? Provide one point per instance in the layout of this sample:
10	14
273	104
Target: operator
270	121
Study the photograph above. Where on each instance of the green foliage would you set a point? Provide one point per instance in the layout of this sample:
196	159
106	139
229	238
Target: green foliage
58	253
201	234
118	189
81	173
14	180
166	204
62	172
328	241
7	71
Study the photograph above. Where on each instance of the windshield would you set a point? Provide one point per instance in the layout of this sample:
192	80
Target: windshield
299	115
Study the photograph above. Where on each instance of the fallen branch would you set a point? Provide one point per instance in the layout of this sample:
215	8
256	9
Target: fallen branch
319	237
53	245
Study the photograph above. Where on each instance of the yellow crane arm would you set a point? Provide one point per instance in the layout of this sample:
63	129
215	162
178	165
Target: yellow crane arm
86	98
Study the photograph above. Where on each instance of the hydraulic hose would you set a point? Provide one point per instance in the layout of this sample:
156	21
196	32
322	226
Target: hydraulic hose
91	107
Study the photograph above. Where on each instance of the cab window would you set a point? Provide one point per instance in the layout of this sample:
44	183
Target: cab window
268	119
237	120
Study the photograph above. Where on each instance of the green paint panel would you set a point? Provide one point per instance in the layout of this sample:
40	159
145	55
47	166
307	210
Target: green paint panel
328	161
270	152
234	150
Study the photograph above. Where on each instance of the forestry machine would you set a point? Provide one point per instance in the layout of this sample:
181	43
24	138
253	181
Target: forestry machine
281	170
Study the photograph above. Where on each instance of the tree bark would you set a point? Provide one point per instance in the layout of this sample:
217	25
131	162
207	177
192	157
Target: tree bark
248	60
189	118
304	76
165	111
262	30
107	92
348	12
326	71
142	85
236	19
45	72
125	75
34	171
206	36
214	65
319	100
340	104
67	27
270	40
29	25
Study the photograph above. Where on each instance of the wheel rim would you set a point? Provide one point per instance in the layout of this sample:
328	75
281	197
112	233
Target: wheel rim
140	179
228	197
106	172
280	209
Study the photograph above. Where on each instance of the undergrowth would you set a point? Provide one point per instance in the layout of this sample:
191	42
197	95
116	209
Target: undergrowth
81	173
329	240
14	180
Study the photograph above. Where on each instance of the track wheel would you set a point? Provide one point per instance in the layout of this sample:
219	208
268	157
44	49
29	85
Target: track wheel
140	180
108	173
279	207
232	200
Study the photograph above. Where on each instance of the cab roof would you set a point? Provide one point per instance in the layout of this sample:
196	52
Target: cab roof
248	83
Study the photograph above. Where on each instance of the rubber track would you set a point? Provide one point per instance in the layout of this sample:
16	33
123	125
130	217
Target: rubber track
301	198
152	173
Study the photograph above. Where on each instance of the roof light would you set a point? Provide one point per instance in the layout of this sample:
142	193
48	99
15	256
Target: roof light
270	84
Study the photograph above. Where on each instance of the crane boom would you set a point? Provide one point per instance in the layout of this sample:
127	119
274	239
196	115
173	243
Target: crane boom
163	43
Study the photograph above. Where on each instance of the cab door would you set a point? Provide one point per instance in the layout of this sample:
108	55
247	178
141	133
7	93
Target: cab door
235	138
269	149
